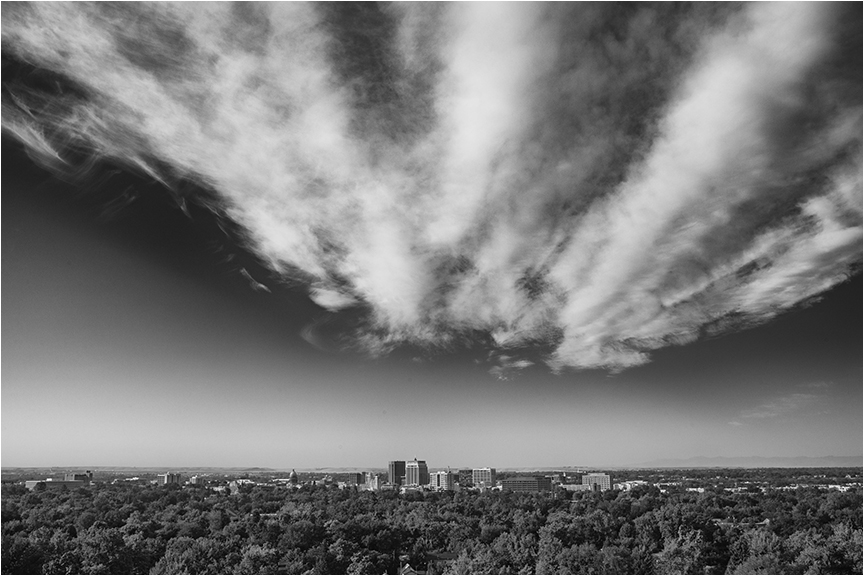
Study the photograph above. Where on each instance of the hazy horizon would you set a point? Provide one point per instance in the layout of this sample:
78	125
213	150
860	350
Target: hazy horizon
302	235
726	462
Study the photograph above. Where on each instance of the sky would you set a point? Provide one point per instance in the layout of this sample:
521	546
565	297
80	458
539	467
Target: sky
510	235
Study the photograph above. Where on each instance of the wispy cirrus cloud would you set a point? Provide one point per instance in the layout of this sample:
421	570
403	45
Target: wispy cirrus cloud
806	399
586	182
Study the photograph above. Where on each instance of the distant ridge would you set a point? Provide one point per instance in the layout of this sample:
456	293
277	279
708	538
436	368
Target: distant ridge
694	462
757	462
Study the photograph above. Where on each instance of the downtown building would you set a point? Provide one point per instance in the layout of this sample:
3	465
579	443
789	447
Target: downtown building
527	484
396	472
483	477
372	481
416	473
597	482
441	480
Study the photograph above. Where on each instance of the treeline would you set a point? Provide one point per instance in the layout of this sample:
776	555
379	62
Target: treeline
121	529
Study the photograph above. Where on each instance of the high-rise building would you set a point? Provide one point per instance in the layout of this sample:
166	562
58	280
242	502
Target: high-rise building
396	472
598	481
483	477
356	478
527	484
466	477
416	473
441	480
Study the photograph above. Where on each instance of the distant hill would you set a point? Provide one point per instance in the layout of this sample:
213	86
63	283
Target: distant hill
213	470
757	462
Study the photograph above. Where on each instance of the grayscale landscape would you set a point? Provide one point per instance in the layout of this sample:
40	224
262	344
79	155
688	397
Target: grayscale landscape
419	288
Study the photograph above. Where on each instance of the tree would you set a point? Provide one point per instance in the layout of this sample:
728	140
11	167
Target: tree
681	554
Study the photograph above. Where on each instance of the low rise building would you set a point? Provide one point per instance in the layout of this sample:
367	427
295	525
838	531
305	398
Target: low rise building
527	484
69	482
86	477
576	487
372	481
629	485
168	478
598	481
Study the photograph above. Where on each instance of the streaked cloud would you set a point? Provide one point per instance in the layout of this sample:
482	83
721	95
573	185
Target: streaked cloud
806	399
577	182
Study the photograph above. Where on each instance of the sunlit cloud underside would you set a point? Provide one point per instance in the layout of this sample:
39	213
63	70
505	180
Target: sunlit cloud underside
587	182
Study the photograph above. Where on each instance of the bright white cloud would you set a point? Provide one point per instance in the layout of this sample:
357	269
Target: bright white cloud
512	170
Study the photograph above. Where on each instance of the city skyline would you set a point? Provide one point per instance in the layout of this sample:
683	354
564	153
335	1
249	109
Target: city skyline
586	235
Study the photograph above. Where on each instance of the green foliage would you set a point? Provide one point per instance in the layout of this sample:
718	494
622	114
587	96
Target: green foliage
132	529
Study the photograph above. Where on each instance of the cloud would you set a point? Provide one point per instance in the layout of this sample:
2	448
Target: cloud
507	367
587	182
791	404
780	406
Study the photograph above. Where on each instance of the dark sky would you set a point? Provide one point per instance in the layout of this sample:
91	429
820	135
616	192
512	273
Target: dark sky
653	271
127	340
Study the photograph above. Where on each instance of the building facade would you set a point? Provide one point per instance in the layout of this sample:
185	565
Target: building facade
37	485
598	481
527	484
168	478
87	477
416	473
576	487
396	472
483	477
441	480
373	481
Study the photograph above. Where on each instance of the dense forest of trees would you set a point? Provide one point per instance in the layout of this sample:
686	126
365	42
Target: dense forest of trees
128	529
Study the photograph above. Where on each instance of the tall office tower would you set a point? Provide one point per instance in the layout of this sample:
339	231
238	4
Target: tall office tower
483	477
442	480
395	472
601	482
466	477
416	473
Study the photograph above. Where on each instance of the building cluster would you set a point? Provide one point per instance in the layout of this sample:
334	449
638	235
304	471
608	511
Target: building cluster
69	481
414	475
403	476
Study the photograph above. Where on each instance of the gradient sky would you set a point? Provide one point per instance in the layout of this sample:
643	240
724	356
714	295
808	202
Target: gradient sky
137	333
